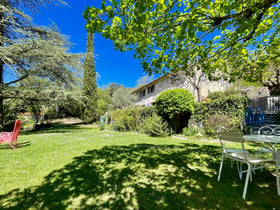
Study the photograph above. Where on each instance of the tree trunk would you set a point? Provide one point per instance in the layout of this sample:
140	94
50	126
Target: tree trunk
198	91
1	110
2	33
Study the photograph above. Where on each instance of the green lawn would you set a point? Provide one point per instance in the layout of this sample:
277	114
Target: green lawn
74	167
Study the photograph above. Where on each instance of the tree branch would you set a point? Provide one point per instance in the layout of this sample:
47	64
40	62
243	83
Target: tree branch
17	80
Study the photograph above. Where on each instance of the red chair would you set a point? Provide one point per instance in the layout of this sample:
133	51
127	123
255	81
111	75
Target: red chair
11	137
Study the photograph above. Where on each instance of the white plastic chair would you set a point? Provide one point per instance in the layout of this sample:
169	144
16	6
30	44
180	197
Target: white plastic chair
243	157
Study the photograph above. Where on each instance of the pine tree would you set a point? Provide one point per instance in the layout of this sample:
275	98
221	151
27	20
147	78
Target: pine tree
28	50
89	83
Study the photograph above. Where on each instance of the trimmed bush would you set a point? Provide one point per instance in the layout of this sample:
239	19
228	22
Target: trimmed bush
175	106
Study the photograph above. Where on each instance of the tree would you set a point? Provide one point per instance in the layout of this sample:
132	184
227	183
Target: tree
89	83
122	98
52	98
27	50
171	34
144	80
113	87
196	77
260	68
103	102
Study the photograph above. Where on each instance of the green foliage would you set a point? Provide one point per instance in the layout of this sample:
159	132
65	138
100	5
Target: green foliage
125	120
112	87
134	119
27	50
232	106
175	101
193	131
122	97
216	95
144	80
103	101
54	99
168	35
219	120
102	126
175	106
89	88
155	126
147	111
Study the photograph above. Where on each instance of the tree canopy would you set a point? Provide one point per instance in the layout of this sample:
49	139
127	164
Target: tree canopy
29	50
170	34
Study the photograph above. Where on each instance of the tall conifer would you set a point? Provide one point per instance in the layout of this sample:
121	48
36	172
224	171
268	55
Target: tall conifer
89	82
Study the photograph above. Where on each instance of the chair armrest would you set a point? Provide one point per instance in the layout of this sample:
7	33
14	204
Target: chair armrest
6	134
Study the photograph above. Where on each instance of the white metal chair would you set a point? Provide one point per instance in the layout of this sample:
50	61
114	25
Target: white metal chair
243	157
219	129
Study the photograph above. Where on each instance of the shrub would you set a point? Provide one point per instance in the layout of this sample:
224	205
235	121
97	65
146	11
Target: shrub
125	120
102	126
192	131
175	106
216	95
147	111
175	101
232	106
219	120
155	126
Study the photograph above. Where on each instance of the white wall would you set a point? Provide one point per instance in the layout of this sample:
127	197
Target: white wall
165	84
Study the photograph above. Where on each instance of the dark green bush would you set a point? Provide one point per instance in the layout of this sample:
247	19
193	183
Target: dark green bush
147	111
175	106
232	106
155	126
175	101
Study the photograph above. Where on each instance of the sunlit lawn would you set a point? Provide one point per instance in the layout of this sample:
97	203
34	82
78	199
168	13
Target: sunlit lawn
76	167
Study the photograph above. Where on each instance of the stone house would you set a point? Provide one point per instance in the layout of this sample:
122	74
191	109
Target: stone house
147	94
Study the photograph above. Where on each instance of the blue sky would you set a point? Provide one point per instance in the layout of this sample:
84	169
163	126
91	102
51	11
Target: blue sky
111	65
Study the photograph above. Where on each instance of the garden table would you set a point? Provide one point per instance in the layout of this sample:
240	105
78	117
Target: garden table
271	141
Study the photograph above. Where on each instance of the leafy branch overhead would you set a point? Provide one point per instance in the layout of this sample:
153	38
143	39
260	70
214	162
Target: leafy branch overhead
169	34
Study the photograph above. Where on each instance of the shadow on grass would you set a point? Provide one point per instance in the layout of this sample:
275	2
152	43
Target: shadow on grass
4	146
55	128
145	176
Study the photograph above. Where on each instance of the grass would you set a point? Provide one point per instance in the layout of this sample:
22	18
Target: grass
75	167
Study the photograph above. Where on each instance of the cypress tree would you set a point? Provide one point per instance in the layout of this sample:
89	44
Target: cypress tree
89	89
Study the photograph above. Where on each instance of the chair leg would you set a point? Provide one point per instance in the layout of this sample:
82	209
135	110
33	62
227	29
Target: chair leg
221	167
239	169
247	180
12	146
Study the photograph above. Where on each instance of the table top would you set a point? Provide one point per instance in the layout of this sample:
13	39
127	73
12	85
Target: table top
263	138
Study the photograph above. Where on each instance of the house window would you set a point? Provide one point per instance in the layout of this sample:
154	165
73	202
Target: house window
142	93
151	89
173	79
